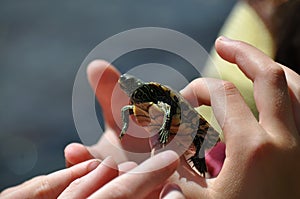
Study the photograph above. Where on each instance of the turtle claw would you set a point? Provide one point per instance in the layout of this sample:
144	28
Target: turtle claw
122	134
199	164
163	136
126	111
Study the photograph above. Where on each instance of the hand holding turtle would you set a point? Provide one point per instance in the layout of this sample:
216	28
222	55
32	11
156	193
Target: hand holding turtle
262	157
103	79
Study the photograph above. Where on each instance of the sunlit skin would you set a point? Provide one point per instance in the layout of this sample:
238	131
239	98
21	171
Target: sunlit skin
262	161
262	157
258	168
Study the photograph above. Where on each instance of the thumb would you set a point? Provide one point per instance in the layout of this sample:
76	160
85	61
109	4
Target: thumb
171	191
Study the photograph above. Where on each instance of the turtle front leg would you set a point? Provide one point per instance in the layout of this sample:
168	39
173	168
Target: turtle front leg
126	111
164	131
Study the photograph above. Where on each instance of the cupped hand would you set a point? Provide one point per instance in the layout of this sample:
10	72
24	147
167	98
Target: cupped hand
103	78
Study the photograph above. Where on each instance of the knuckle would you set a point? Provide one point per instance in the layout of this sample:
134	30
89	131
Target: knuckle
229	88
267	148
195	84
44	189
71	175
37	178
120	192
274	74
239	52
75	183
286	142
193	92
260	148
73	188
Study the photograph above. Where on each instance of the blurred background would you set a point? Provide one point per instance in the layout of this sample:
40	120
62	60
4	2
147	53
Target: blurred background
43	43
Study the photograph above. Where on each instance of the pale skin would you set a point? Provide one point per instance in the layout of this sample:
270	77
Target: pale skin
87	179
262	157
254	155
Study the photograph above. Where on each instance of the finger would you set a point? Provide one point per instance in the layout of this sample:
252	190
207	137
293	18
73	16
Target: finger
103	78
270	86
293	80
9	190
50	186
126	166
143	179
228	105
171	191
240	127
76	153
86	185
195	96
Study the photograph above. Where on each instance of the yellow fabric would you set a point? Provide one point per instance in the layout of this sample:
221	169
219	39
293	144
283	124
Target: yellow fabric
242	24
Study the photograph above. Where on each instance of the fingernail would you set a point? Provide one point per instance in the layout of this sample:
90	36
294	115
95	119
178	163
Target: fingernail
68	164
168	188
93	165
183	90
110	162
223	38
186	91
126	166
167	157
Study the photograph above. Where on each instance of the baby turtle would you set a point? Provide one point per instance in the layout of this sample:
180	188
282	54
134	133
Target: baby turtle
159	108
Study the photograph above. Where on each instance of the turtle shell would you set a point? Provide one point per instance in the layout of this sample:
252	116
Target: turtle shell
160	109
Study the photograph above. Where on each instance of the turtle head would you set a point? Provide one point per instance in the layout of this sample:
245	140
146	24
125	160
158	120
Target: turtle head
129	83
